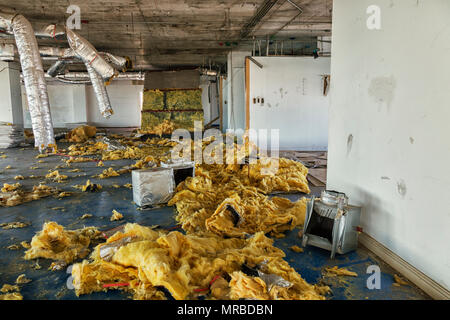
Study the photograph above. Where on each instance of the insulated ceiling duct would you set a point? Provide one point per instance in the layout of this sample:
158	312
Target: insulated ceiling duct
34	79
51	31
101	94
87	53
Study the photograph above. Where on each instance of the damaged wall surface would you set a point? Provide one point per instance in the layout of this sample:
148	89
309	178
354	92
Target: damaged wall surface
388	123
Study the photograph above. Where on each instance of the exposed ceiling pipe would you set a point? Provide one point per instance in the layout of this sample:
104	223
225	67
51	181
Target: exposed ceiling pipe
295	5
259	15
82	76
34	79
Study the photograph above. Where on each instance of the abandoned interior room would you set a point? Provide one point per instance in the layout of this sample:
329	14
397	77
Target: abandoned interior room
224	150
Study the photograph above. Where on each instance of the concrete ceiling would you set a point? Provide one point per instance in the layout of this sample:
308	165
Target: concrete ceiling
164	34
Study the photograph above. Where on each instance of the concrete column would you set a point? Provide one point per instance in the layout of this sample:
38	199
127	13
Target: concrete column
10	93
236	89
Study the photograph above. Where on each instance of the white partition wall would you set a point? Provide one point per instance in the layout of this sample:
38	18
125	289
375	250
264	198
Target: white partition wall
287	93
389	125
74	104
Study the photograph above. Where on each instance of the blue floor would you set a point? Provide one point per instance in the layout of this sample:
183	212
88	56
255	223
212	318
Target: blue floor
68	211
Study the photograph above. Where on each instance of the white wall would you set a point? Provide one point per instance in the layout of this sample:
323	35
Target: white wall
126	101
67	104
389	132
292	88
74	104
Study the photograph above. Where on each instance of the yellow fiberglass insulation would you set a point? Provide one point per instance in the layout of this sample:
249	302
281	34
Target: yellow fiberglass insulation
19	196
56	243
231	199
81	134
233	205
147	259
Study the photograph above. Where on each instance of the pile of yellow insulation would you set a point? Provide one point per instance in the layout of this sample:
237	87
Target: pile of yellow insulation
225	210
231	199
81	134
55	243
13	195
144	259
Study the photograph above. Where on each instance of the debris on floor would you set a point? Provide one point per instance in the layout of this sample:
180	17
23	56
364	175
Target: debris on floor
296	249
55	176
13	225
116	216
107	173
89	187
22	279
399	281
335	271
81	134
14	195
9	288
55	243
11	296
143	260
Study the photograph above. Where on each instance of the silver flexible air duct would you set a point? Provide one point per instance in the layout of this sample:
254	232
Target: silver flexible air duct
120	63
87	53
101	94
34	80
73	75
5	21
57	52
51	31
57	68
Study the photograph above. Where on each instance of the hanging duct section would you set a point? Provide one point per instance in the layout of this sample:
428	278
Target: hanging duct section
34	80
101	94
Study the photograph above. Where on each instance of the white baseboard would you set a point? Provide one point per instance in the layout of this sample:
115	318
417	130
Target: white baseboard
421	280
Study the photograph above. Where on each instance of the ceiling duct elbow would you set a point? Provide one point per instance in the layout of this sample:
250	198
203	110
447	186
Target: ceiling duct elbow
120	63
53	31
87	53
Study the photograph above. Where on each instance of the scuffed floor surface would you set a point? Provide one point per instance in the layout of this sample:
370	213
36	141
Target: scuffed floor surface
68	212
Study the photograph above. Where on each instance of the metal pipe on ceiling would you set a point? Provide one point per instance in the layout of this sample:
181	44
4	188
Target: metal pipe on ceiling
295	5
260	14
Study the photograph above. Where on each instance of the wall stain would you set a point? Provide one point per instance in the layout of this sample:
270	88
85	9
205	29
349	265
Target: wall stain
382	90
349	144
385	178
411	139
401	187
282	93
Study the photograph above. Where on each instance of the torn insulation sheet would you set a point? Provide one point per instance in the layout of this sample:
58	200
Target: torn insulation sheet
146	260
